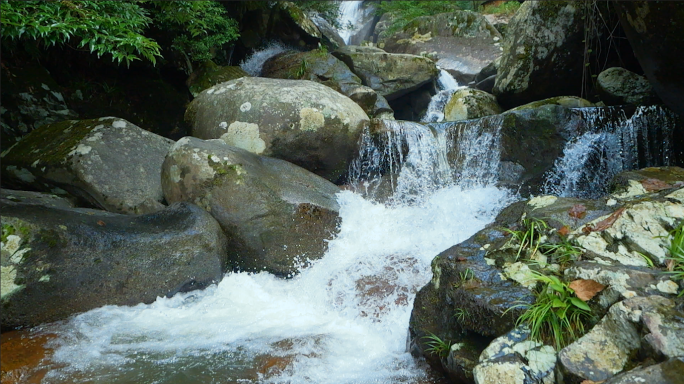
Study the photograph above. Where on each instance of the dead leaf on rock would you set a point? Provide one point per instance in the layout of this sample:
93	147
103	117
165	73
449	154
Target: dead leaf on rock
592	382
578	211
586	289
564	231
603	224
670	264
654	185
101	223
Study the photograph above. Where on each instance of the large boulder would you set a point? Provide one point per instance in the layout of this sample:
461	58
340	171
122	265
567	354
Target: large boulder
300	121
107	162
463	42
59	262
391	75
620	86
542	54
470	103
654	32
322	67
276	215
210	74
330	36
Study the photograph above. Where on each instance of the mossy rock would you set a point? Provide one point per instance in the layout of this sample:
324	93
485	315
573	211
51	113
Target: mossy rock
563	101
210	74
618	86
466	104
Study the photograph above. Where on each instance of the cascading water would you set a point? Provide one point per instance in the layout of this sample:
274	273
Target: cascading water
350	18
447	86
344	319
254	62
612	143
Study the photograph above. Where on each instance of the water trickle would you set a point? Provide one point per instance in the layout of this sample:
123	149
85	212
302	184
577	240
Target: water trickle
255	62
447	86
612	143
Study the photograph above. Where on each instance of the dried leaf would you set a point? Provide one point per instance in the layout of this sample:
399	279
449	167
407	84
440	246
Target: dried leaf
578	211
670	265
586	289
564	231
592	382
603	224
461	258
654	185
101	223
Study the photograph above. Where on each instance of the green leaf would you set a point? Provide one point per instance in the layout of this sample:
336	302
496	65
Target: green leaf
579	304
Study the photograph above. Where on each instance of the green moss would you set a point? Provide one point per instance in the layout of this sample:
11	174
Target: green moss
51	144
226	171
52	238
9	229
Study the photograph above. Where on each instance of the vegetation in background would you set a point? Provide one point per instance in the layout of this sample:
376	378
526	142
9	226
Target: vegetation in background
676	262
405	11
556	316
329	10
119	28
504	8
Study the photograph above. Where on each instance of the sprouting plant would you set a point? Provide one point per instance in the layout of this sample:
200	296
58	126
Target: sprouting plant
437	346
461	314
301	71
676	249
529	238
564	251
466	275
557	315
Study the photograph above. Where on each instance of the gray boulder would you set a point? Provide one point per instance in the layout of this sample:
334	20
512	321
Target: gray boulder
275	214
330	37
470	103
668	372
321	67
391	75
107	162
40	198
620	86
463	42
59	262
541	53
300	121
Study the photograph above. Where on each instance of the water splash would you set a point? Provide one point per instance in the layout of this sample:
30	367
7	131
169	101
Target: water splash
255	62
612	143
447	86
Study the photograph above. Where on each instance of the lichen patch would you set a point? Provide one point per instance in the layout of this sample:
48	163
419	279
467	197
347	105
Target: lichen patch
246	136
311	119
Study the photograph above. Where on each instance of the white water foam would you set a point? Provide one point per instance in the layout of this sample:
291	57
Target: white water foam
447	86
344	319
350	18
254	62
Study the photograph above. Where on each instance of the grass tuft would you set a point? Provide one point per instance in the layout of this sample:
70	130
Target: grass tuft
676	249
437	346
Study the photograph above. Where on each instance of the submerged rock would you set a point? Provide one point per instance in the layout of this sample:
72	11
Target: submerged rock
276	215
391	75
59	262
107	162
300	121
467	103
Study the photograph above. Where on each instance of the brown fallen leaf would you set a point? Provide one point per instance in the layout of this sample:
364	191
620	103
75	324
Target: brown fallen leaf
101	223
654	185
592	382
564	231
578	211
461	258
670	264
603	224
586	289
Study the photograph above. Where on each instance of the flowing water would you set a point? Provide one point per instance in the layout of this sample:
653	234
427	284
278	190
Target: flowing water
254	62
612	143
350	19
342	320
447	86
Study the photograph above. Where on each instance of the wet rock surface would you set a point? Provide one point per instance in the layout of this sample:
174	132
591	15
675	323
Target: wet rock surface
276	215
59	262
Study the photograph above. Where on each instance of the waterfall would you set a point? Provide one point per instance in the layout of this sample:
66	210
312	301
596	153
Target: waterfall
344	319
254	62
611	143
447	86
351	15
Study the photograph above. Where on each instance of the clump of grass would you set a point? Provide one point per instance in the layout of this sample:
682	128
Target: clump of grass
437	346
557	315
676	249
505	8
461	314
529	238
563	251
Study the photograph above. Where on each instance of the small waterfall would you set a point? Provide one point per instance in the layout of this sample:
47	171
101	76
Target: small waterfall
611	143
447	86
411	160
350	19
254	62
